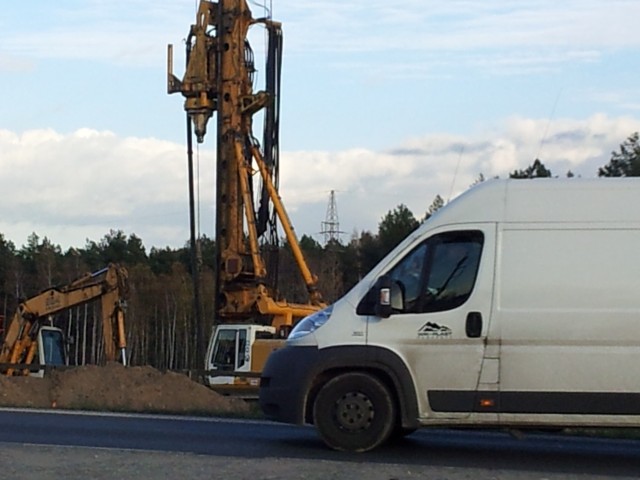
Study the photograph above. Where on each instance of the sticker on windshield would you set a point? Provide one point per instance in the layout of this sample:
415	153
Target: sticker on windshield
433	330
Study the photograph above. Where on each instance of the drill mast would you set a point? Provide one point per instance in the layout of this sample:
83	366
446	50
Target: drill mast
219	78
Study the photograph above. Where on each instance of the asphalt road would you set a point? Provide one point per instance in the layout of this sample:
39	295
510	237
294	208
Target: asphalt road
61	444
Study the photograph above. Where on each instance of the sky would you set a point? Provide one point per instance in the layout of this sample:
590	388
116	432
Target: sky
385	103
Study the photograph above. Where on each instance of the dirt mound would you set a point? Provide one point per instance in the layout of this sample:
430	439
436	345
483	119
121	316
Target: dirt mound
117	388
28	392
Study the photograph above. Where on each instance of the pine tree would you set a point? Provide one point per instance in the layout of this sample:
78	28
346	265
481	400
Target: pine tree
536	170
626	162
395	226
437	204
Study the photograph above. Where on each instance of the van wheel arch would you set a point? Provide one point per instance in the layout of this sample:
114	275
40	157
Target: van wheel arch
377	362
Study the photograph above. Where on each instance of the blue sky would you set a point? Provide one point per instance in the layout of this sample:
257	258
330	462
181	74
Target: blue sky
384	102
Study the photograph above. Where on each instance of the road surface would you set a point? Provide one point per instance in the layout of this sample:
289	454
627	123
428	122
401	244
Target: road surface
43	445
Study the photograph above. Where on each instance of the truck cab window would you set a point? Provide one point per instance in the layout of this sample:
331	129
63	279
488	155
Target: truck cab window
439	274
225	351
242	345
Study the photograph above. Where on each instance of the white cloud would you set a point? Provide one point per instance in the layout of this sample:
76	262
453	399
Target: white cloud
70	187
371	183
14	64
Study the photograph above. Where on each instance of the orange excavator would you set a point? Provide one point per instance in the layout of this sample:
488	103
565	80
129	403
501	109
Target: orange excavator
31	337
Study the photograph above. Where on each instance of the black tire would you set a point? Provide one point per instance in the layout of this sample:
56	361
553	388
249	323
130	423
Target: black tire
354	412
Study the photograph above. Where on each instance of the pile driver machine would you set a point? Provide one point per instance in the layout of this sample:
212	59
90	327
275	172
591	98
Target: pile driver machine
250	318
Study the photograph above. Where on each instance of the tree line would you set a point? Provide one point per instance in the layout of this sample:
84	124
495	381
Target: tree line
161	311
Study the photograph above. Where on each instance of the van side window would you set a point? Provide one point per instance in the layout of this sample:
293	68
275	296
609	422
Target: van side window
439	274
409	276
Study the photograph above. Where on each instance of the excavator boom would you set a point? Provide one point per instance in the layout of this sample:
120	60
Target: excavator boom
109	285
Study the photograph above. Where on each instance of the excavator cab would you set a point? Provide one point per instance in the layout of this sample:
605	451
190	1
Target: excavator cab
51	348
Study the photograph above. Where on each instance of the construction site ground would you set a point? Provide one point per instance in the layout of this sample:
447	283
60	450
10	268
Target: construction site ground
116	388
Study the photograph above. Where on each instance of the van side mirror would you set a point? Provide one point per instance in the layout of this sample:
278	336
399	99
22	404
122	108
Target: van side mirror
383	287
383	297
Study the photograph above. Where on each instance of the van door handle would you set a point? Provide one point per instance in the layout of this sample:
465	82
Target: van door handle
474	324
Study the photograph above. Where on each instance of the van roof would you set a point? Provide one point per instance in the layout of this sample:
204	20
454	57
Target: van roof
542	200
575	200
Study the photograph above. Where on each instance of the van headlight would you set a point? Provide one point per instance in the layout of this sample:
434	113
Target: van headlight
311	323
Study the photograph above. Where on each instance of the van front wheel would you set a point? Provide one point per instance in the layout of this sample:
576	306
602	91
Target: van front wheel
354	412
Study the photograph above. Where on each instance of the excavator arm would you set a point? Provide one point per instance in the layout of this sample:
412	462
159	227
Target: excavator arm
109	285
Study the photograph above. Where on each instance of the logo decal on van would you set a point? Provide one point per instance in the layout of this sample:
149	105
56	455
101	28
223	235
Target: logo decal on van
433	330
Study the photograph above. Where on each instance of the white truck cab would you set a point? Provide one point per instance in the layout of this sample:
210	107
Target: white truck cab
516	305
237	349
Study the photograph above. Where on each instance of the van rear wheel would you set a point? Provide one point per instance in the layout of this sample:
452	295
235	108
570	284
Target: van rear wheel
354	412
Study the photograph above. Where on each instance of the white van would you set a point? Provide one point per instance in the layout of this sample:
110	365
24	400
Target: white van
516	305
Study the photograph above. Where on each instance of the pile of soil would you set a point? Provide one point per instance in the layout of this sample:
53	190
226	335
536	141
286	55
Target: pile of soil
117	388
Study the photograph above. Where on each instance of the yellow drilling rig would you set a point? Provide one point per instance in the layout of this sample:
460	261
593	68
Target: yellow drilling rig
219	78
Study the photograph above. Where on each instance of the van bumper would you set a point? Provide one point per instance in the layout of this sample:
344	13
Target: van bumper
285	382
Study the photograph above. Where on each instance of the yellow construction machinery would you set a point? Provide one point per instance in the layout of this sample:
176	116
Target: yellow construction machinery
219	78
31	337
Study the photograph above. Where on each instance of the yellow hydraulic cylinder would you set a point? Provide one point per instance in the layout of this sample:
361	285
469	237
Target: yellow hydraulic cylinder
309	279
